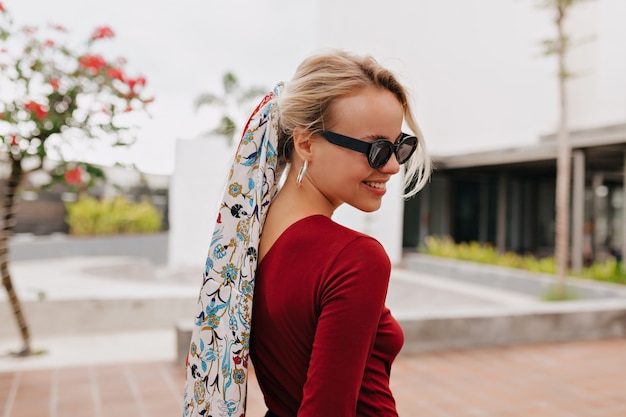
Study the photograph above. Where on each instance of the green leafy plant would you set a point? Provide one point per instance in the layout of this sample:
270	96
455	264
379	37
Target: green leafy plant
609	270
89	216
57	95
485	253
230	103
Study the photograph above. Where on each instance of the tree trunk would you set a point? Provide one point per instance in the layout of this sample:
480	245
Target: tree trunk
563	169
9	206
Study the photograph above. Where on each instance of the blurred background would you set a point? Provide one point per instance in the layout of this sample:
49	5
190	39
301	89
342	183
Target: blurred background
484	84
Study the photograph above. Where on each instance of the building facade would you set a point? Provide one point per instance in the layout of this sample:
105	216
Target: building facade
507	198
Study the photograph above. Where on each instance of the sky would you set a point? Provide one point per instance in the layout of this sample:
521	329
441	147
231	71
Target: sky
183	48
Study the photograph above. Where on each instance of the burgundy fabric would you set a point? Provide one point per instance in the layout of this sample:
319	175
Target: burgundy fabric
323	341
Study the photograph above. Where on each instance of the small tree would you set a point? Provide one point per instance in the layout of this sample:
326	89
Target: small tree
230	103
560	47
54	96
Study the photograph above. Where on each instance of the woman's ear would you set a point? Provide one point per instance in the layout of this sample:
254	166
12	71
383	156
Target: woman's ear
302	144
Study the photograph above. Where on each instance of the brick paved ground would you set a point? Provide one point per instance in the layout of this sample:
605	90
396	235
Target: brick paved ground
582	379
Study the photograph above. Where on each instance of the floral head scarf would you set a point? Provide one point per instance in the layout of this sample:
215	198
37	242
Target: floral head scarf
217	362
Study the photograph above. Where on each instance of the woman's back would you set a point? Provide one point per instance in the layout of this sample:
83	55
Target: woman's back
322	340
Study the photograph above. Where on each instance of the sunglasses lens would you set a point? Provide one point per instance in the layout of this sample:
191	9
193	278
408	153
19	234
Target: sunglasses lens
406	148
380	152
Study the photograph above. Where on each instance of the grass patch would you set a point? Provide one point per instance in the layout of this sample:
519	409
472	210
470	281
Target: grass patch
553	293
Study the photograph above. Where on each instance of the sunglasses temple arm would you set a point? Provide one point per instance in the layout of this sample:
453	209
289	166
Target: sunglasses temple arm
349	143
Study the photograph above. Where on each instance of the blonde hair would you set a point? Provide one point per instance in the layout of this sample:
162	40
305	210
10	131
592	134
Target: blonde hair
307	102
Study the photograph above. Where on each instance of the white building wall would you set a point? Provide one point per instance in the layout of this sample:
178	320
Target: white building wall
475	68
195	191
598	64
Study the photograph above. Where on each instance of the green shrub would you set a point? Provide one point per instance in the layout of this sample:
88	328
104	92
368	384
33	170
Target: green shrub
609	270
485	253
89	216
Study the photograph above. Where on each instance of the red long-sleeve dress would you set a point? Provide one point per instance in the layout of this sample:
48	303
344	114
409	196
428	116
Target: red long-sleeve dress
322	340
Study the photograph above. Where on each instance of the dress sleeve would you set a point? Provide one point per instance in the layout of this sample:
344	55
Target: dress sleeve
352	298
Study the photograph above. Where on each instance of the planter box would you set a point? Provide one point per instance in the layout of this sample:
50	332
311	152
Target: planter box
510	279
599	313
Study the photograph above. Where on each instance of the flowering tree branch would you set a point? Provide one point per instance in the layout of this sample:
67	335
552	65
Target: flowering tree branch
55	96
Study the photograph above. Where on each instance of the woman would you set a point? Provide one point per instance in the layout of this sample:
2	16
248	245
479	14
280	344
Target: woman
322	340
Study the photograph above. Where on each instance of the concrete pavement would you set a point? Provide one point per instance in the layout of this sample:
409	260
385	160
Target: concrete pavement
97	307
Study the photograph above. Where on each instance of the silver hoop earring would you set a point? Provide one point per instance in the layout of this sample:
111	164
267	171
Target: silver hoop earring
301	173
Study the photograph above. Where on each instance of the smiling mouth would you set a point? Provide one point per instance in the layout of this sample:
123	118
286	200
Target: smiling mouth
377	185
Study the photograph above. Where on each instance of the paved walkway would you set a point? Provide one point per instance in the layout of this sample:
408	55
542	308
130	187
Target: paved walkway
582	379
133	373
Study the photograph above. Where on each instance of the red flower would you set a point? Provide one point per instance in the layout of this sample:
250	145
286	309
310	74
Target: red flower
74	176
237	360
115	73
14	141
2	9
49	42
38	109
102	32
60	28
136	81
54	83
93	62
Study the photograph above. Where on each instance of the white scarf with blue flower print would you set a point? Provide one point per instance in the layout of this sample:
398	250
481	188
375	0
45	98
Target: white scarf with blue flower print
217	362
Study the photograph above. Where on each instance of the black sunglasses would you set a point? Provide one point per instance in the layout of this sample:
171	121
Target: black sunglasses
379	151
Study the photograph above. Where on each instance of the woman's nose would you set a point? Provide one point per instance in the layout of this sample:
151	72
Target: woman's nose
392	166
